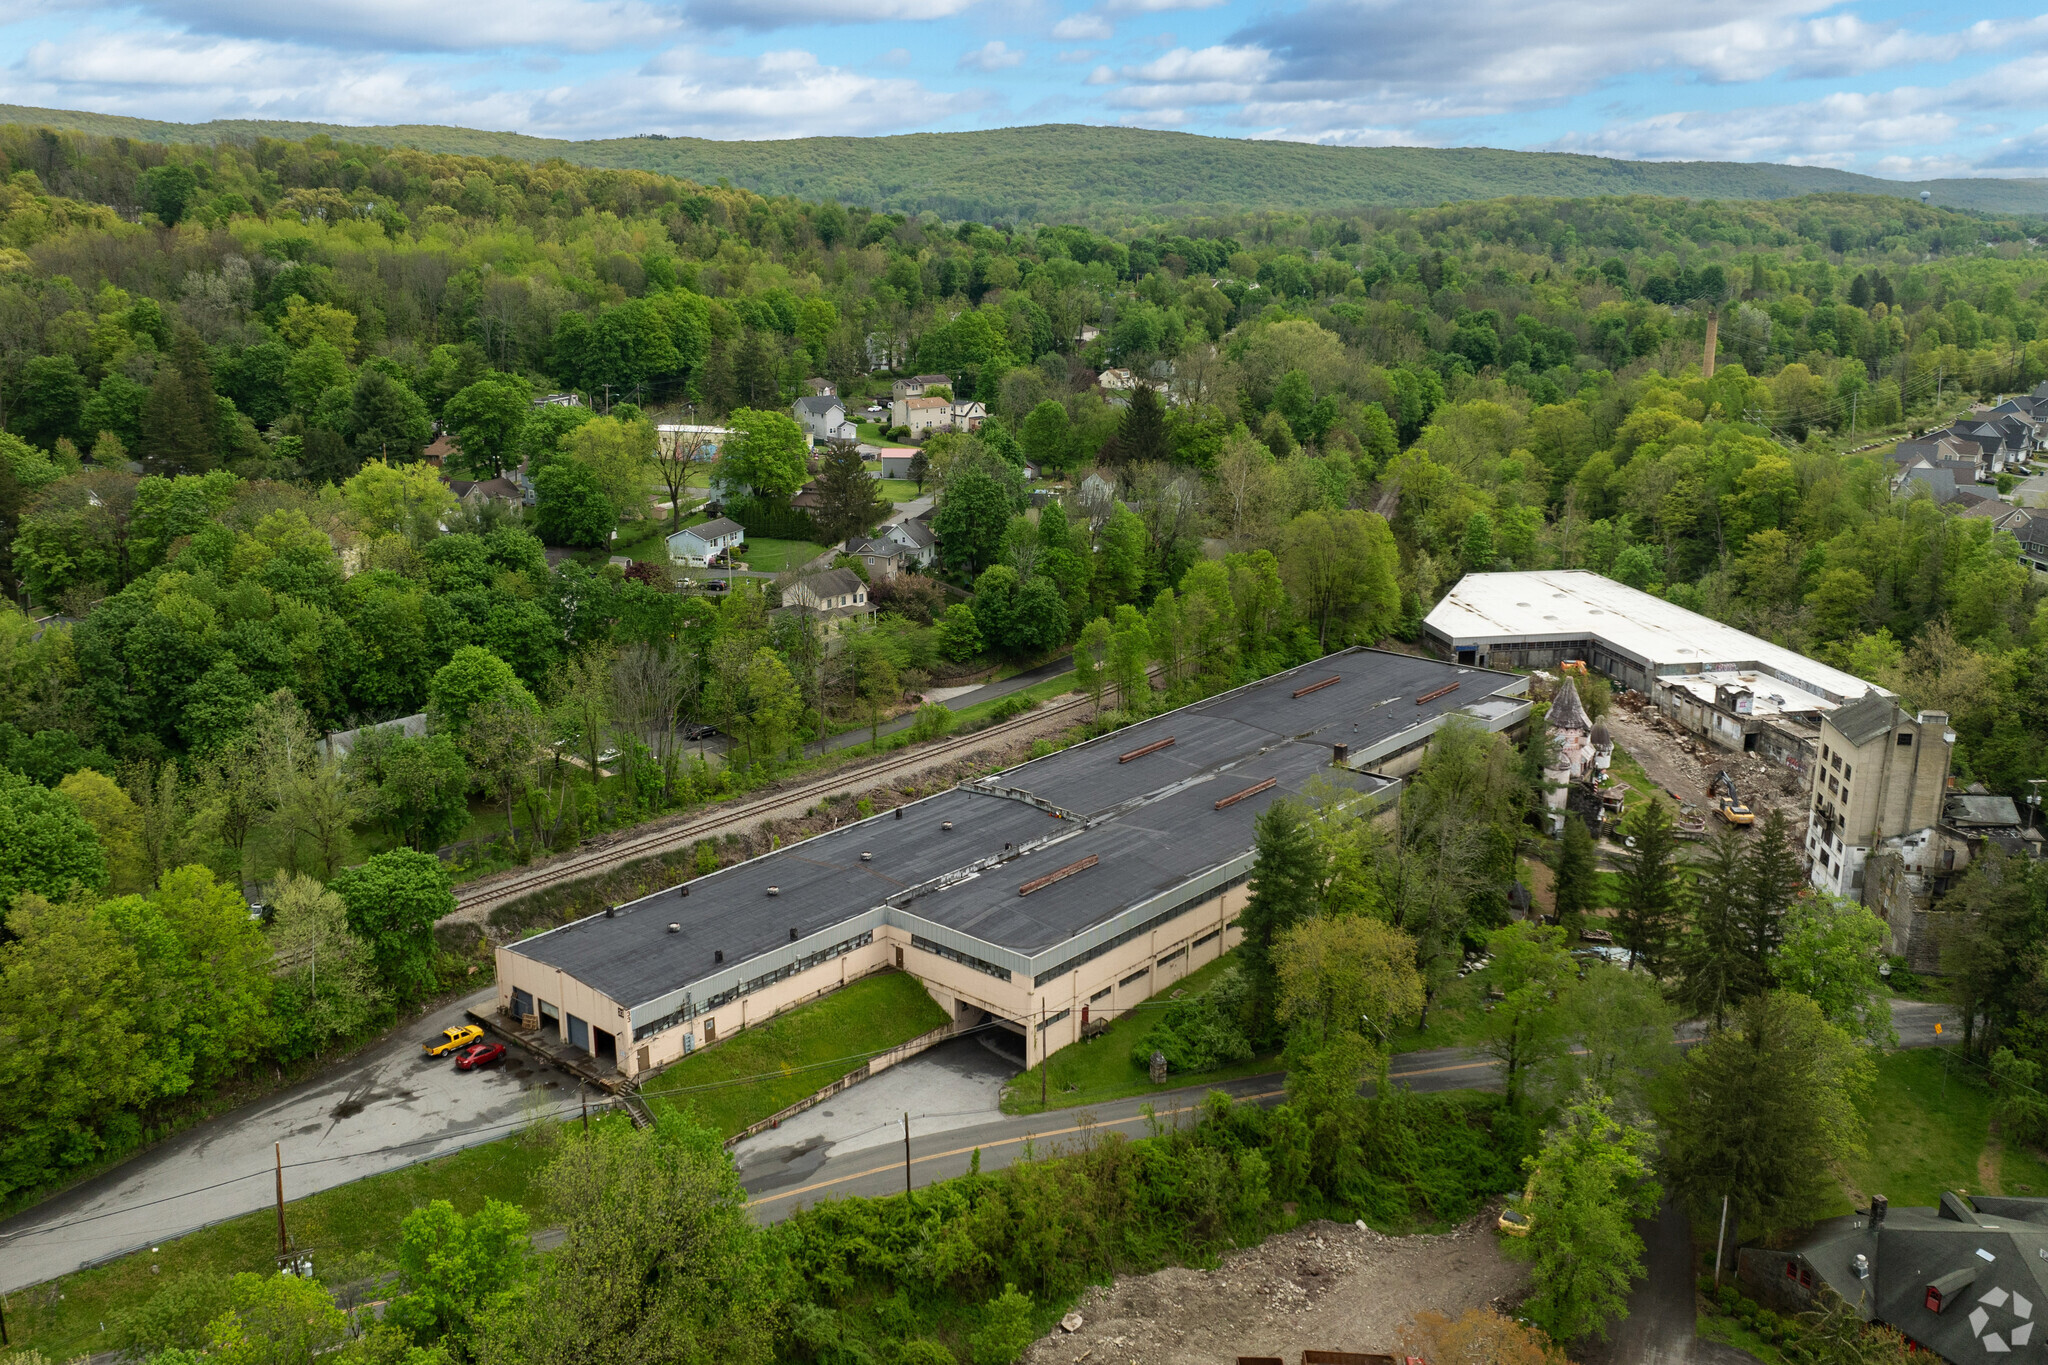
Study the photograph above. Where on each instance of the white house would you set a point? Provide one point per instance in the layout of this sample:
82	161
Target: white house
882	557
968	415
836	597
823	417
916	538
695	546
1121	381
915	386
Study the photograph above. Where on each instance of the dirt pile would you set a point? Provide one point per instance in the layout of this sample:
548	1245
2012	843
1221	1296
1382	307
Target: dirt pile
1326	1286
1684	763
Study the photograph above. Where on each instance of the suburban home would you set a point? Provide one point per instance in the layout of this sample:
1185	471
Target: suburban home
1963	1281
968	415
915	536
881	557
1121	381
559	400
835	597
695	546
922	416
823	418
896	461
475	493
821	388
915	386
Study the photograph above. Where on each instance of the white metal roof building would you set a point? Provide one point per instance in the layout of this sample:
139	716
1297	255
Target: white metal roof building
1722	682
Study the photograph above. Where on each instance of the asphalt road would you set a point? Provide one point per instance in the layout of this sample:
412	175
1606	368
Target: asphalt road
986	692
785	1169
386	1108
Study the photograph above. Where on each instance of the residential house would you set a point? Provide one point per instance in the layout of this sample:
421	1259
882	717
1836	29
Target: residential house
1088	334
922	416
914	534
882	557
1966	1280
968	415
836	598
475	493
1117	381
341	743
696	546
823	418
896	461
559	400
821	388
915	386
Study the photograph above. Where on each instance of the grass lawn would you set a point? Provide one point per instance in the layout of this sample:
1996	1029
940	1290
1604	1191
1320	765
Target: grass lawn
1037	692
773	556
1930	1130
870	432
1631	775
771	1066
643	539
1102	1067
62	1319
898	490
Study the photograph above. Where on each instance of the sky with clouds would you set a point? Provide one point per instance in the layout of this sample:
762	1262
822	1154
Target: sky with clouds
1887	88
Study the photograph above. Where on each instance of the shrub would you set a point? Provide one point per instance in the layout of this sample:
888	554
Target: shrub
1006	1329
933	720
926	1353
1201	1032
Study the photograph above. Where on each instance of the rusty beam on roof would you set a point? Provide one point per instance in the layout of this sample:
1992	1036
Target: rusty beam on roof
1428	697
1154	747
1040	883
1252	790
1333	679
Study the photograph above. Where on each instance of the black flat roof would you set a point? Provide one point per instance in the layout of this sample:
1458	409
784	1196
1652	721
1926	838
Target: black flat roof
1151	823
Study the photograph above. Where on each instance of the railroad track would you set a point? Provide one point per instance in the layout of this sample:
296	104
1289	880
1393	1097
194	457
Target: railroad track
472	902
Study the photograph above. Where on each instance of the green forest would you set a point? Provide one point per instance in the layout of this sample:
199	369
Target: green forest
1100	176
222	364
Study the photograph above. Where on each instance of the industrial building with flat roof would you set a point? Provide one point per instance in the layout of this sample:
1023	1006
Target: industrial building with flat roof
1734	689
1071	886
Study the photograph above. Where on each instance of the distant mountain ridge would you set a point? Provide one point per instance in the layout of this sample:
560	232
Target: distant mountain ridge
1075	171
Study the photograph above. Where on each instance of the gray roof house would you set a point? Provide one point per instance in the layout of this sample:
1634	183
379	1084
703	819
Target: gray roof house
1966	1280
837	597
881	557
914	536
696	544
823	417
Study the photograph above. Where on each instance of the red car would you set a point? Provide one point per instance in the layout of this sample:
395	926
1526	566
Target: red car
483	1054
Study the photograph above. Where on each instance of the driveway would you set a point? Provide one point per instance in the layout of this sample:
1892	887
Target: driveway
388	1107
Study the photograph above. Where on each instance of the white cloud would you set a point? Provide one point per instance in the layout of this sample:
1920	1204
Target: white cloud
407	26
1075	56
993	55
1160	6
686	91
1084	27
1102	75
769	14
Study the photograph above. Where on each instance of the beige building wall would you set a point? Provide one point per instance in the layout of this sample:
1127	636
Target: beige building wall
1128	974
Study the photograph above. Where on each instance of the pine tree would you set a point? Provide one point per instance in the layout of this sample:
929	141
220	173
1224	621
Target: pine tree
1716	972
1576	885
721	390
1771	881
1648	885
1283	894
754	373
848	500
181	424
1141	436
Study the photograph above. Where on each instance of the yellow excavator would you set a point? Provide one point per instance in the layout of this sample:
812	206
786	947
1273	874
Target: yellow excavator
1727	805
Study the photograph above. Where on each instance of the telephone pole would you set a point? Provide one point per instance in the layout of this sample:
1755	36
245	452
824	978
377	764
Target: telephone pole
283	1246
906	1151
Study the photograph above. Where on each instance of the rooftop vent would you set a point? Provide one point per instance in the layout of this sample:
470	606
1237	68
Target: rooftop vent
866	856
718	955
899	812
683	890
945	824
774	890
611	912
1340	754
674	928
792	933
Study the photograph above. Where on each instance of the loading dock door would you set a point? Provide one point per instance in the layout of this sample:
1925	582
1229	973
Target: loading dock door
579	1033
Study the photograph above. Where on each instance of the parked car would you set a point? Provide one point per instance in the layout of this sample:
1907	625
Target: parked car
697	732
482	1054
454	1040
717	585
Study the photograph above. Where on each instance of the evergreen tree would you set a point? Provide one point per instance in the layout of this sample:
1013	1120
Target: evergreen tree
1771	882
1141	436
181	423
721	390
324	457
848	500
1649	885
1576	883
1283	894
755	373
1715	969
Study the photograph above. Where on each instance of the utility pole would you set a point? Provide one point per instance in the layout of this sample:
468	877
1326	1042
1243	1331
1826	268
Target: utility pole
906	1151
283	1246
1044	1057
1720	1241
583	1094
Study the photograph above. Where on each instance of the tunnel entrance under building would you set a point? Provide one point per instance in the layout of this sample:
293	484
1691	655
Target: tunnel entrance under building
1004	1037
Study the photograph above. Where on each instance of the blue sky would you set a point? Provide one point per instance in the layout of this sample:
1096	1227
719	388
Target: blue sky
1884	88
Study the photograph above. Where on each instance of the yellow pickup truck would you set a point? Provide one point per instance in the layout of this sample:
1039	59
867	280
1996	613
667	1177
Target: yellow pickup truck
454	1039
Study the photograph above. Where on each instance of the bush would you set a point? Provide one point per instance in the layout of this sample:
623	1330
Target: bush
1006	1329
1016	704
926	1353
933	720
1201	1032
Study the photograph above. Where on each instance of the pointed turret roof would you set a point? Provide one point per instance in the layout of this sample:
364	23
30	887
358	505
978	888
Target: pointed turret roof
1567	712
